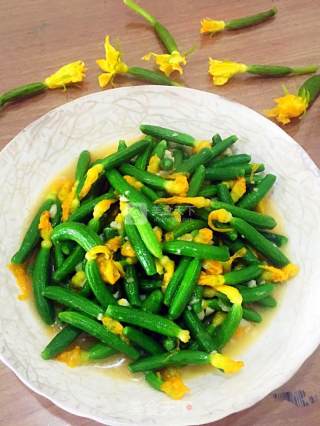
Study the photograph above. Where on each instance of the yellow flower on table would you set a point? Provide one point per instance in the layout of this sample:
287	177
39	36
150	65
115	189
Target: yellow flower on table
211	26
288	106
111	65
222	71
68	74
168	62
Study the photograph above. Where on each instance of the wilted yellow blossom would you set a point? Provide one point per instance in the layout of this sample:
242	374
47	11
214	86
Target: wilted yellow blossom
222	362
168	62
211	26
288	106
68	74
222	71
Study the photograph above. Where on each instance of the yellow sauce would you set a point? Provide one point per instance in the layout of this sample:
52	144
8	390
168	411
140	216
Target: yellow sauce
116	366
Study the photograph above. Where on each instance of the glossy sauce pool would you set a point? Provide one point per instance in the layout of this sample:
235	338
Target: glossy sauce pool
116	366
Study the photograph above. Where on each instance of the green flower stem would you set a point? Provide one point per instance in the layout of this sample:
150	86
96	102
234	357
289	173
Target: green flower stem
279	70
309	69
140	11
22	92
248	21
310	89
151	76
164	35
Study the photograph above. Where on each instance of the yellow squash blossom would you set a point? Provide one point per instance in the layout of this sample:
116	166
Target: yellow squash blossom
173	385
201	145
271	273
288	106
178	185
212	267
23	280
238	189
112	325
45	226
219	215
71	357
78	279
133	182
101	207
111	65
168	62
96	250
217	283
232	293
154	164
127	250
198	202
204	236
65	190
168	266
114	244
92	176
68	74
222	71
211	280
225	363
110	270
237	255
211	26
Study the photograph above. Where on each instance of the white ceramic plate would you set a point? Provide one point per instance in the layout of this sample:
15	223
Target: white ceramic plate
45	147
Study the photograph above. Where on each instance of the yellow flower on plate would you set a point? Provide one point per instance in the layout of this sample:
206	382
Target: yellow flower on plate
232	293
288	106
110	270
68	74
168	270
212	267
225	363
111	65
271	273
45	226
23	280
178	186
78	279
70	357
133	182
112	325
204	236
154	164
238	254
127	249
222	216
211	26
101	207
173	385
238	189
92	176
201	145
168	62
114	243
222	71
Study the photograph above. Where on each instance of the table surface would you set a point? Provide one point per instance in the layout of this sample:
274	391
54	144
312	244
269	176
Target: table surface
38	36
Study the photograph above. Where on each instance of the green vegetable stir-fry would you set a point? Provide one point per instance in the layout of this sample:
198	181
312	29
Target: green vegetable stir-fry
160	251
